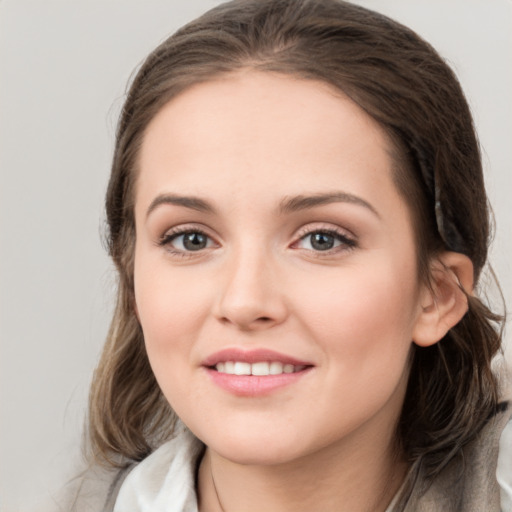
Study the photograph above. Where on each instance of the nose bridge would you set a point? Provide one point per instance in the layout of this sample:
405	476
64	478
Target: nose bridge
250	296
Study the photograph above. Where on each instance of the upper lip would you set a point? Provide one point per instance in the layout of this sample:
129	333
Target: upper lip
251	356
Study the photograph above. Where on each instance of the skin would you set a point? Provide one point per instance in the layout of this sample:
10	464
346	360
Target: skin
245	144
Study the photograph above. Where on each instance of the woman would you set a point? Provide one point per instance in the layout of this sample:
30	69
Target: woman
298	217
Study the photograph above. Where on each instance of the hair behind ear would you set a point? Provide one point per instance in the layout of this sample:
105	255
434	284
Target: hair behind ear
452	390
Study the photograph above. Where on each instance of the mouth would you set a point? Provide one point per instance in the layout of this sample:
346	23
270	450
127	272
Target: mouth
254	372
260	368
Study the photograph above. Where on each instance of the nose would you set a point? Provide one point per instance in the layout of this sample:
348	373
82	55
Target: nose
251	295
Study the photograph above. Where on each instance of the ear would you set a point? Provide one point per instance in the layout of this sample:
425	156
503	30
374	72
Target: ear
444	303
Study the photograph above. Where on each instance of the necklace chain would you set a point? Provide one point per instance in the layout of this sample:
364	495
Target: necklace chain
215	488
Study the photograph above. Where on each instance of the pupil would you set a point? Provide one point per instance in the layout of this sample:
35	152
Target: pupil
322	241
194	241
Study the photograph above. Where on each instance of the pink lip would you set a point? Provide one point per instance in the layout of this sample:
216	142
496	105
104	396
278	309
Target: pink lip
251	356
253	385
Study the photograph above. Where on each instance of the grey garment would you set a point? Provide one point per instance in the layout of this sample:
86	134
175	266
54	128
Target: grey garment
93	490
467	484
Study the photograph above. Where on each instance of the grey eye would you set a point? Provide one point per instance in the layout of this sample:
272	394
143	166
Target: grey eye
194	241
322	241
190	241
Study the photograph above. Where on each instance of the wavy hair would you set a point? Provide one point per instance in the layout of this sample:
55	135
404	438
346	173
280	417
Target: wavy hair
401	82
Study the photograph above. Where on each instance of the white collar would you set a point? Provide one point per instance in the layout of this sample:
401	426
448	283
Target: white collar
165	480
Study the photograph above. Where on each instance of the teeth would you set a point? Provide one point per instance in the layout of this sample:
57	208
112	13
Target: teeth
288	368
262	368
276	368
242	368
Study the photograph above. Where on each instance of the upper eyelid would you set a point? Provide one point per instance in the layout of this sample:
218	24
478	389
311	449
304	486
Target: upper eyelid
186	228
326	227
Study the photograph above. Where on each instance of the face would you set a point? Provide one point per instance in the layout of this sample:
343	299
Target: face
275	267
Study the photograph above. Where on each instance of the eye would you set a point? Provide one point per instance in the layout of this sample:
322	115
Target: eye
186	241
324	240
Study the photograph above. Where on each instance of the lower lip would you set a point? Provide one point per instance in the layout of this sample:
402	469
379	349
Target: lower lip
254	385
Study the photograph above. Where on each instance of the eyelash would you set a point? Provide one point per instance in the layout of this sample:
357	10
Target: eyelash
169	236
346	242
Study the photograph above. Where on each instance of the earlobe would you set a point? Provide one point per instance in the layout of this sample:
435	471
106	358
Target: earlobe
444	303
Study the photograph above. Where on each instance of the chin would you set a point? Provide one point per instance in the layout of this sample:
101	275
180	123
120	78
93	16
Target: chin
256	454
262	445
267	446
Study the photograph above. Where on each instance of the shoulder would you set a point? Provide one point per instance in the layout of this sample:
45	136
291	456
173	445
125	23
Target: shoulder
98	489
92	490
469	482
504	469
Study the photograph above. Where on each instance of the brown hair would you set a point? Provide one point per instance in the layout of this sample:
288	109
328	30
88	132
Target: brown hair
399	80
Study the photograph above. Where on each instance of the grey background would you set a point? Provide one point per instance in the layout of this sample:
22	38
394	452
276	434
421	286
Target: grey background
63	70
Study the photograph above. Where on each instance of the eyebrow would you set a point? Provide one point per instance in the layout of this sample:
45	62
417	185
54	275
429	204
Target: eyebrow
303	202
287	205
194	203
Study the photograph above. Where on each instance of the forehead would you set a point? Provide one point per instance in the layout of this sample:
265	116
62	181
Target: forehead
266	134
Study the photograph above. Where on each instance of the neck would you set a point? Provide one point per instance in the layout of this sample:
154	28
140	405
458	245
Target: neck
347	477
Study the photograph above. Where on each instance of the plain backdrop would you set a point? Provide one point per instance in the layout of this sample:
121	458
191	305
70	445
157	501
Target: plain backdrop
63	70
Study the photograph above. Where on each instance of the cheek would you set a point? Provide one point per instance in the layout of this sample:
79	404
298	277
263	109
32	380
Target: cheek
363	325
170	311
366	313
170	308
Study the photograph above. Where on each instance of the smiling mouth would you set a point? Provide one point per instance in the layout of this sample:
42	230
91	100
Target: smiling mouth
261	368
